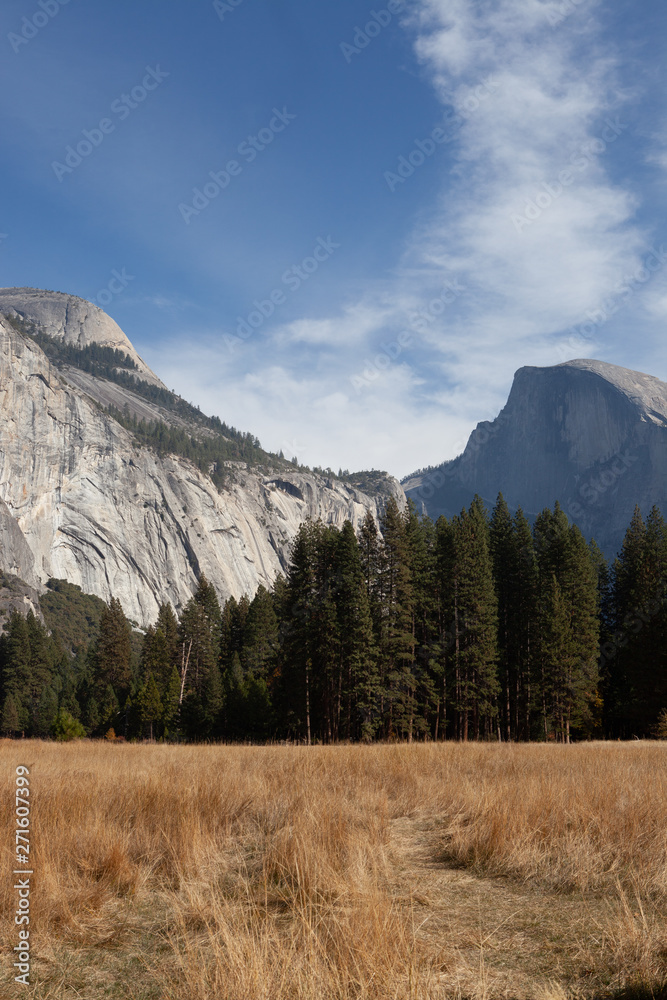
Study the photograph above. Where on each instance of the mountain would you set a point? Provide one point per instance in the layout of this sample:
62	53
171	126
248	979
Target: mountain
71	320
111	482
586	433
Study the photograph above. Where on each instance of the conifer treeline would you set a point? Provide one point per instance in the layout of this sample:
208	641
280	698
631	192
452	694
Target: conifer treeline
471	628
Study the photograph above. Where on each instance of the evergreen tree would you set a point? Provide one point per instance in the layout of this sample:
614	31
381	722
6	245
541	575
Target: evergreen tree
448	644
170	704
160	654
478	632
357	667
635	674
91	715
260	636
199	634
167	623
212	701
568	600
398	638
150	704
114	649
10	717
555	654
583	710
371	565
422	561
523	625
299	651
16	672
504	555
109	710
46	712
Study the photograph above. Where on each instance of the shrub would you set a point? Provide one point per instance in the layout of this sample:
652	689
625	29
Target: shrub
65	727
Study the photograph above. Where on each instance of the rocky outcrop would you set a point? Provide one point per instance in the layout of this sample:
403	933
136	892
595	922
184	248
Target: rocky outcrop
589	434
80	501
16	595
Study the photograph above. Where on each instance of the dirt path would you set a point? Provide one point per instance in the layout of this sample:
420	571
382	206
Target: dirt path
494	938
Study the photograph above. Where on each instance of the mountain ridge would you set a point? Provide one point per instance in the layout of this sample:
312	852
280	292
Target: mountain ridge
73	320
569	433
83	499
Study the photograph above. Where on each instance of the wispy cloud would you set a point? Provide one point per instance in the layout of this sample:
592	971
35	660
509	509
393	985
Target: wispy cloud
540	150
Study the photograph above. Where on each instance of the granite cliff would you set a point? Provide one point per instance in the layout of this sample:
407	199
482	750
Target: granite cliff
81	500
586	433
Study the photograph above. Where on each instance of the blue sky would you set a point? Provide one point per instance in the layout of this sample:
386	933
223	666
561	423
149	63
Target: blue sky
347	311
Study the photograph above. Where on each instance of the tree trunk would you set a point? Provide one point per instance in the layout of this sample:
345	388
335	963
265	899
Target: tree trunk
308	704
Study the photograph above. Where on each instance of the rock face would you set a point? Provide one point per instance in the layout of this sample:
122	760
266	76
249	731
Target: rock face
80	501
71	319
589	434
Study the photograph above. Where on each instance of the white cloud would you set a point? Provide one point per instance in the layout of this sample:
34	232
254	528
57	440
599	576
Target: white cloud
514	253
357	322
316	416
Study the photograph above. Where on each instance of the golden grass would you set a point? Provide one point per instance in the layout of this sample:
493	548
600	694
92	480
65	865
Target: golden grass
332	873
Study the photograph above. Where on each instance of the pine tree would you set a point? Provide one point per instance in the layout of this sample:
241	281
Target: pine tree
398	639
114	649
326	674
309	665
478	630
167	623
555	653
170	704
91	715
422	559
636	660
10	717
650	675
161	649
109	709
150	704
212	702
16	674
523	627
199	634
568	600
46	712
357	669
580	589
447	663
504	555
260	636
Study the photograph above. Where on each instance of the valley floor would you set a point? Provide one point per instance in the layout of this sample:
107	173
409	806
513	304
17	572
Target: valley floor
330	873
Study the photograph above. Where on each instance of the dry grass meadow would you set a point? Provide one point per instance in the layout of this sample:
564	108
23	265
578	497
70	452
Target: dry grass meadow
332	873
